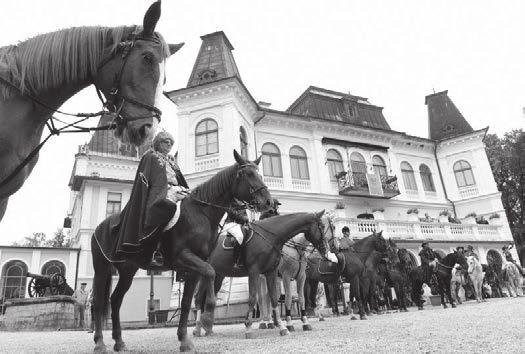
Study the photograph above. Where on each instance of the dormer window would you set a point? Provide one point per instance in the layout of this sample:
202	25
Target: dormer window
207	75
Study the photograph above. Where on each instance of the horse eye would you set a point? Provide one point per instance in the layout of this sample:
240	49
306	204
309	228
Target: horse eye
148	58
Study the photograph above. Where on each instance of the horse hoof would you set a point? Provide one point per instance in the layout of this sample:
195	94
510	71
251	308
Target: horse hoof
445	306
262	326
453	306
271	326
186	345
100	348
197	332
321	319
249	335
353	318
290	328
363	318
307	327
120	347
284	332
208	333
420	308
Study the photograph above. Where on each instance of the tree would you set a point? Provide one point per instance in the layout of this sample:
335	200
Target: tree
61	240
506	158
37	239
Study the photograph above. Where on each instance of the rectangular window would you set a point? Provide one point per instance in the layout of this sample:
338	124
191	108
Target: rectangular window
409	180
114	203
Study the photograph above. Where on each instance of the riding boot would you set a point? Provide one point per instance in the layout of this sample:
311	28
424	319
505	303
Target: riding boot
157	260
237	256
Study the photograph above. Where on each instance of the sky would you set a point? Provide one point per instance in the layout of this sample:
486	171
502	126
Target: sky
393	52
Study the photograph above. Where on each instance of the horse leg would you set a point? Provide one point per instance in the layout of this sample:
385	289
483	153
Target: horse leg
288	302
274	291
191	262
207	321
446	284
253	279
101	291
186	344
416	294
126	273
355	285
262	300
300	281
199	304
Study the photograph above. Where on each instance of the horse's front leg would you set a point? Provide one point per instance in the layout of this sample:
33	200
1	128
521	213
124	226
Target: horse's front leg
300	281
253	280
126	274
287	302
274	291
200	296
189	261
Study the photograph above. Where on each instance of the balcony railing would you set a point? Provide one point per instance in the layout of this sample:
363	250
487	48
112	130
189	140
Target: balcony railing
364	184
406	230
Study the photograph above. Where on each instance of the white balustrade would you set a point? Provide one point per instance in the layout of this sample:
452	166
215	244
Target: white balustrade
301	184
273	182
206	164
467	192
412	193
423	230
430	194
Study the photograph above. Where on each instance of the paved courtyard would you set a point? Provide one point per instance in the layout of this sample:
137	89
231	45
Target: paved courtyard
494	326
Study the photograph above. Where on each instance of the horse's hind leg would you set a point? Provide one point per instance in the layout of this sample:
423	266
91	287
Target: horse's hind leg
288	301
126	273
3	207
271	282
300	281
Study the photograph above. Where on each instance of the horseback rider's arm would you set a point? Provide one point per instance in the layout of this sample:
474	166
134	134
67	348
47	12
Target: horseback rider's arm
238	217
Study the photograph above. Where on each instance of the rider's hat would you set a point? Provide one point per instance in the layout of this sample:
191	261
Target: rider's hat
345	229
424	243
276	202
83	283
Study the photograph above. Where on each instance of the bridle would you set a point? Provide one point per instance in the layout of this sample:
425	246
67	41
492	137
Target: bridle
109	107
115	93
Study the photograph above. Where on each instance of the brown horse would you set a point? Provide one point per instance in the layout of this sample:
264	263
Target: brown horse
263	255
38	75
185	247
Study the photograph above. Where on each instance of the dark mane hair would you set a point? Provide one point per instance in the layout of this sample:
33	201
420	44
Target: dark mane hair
49	60
215	186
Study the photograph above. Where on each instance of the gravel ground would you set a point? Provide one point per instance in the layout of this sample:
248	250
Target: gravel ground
494	326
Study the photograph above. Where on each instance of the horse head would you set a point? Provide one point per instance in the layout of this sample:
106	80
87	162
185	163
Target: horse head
249	185
380	243
392	252
131	78
472	263
461	260
316	232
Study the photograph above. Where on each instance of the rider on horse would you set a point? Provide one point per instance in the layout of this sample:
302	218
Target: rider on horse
273	211
151	209
346	243
428	259
508	256
470	252
234	224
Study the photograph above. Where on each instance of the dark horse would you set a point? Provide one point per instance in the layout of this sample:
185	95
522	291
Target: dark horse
443	274
38	75
394	274
350	266
185	247
263	254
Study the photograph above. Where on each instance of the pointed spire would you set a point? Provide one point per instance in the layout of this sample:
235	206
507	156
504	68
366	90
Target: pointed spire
215	60
444	118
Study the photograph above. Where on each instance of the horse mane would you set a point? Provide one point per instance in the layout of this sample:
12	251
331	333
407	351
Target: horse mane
215	186
53	59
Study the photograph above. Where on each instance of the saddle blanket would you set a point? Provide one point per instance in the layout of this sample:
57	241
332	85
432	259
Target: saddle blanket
327	267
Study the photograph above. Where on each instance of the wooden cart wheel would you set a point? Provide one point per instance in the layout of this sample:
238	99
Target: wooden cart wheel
35	288
58	284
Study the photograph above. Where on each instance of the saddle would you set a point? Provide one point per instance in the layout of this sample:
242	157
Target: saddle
327	268
229	242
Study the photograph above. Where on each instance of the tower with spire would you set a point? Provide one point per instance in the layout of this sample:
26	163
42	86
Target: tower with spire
444	118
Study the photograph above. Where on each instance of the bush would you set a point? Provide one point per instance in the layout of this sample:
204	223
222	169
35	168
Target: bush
339	205
378	209
413	211
453	220
445	212
471	215
494	216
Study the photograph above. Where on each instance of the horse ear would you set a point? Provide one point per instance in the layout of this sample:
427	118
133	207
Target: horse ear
150	19
238	157
257	160
320	214
174	48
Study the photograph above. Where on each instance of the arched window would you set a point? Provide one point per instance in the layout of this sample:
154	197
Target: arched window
408	176
244	142
463	173
299	163
53	267
358	166
379	166
206	138
271	157
335	163
14	280
426	178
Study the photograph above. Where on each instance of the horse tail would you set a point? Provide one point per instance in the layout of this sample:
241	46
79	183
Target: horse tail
101	279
